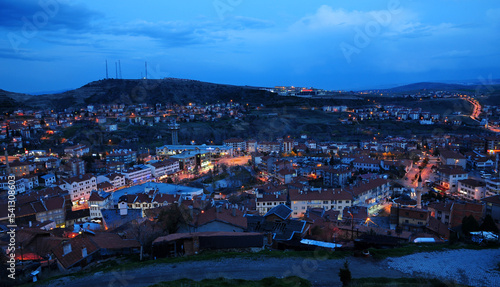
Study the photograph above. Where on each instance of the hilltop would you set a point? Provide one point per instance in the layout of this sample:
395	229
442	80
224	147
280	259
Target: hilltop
166	91
175	91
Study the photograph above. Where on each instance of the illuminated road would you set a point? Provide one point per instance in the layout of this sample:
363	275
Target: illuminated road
477	111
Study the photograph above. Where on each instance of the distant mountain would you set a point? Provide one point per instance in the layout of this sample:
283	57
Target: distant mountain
430	86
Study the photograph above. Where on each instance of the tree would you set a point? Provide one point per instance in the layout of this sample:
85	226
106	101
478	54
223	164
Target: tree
173	217
436	152
488	224
415	159
469	224
345	274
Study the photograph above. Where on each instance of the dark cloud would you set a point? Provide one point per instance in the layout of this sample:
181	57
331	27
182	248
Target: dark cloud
23	54
178	33
51	15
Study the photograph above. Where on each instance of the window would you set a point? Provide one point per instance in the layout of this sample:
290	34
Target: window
340	201
325	201
406	220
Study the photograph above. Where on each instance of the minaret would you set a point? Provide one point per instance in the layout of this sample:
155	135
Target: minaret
419	192
6	162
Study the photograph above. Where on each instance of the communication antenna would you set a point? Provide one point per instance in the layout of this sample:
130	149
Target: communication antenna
146	64
107	69
120	68
116	70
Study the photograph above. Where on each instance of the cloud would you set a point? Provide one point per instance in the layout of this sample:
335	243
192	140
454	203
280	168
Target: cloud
52	15
180	33
23	54
391	23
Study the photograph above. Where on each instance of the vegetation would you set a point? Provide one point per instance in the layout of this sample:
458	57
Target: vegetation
345	274
405	282
224	282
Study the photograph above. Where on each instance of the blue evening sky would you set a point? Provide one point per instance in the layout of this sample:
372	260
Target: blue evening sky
51	45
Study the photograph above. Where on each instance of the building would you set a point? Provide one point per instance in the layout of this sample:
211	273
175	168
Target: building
303	199
336	177
76	151
411	219
441	211
269	147
18	168
47	179
164	168
238	145
452	158
288	145
138	174
251	146
366	164
117	180
125	156
492	186
471	189
370	193
266	202
89	247
51	209
449	177
98	202
492	207
191	160
80	187
213	150
74	167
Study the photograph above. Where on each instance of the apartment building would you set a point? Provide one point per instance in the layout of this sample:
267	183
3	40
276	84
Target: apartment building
80	187
303	199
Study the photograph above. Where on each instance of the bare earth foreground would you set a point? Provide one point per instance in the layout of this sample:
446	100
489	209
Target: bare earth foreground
471	267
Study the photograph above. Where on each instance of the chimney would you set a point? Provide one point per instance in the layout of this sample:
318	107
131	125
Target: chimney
233	212
217	208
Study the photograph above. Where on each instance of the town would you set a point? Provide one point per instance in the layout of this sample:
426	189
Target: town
78	203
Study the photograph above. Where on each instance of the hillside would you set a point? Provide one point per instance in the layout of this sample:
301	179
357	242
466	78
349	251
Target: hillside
148	91
431	86
169	90
10	100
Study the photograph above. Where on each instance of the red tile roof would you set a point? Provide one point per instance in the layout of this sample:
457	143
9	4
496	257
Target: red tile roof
224	215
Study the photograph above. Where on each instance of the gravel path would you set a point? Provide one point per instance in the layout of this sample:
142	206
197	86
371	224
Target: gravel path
470	267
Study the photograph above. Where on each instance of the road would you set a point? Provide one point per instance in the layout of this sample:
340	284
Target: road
476	112
426	174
